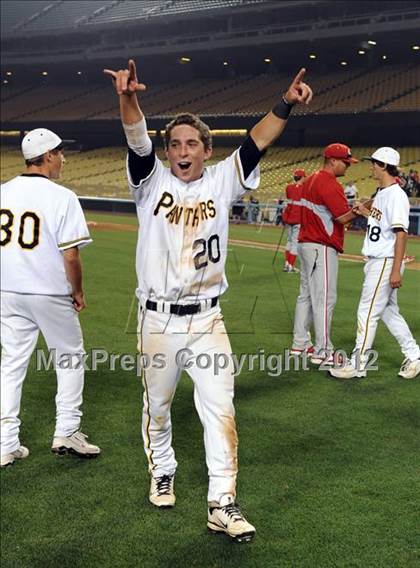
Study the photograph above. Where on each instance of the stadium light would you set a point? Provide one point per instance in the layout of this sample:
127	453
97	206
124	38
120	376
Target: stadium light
267	60
225	63
9	73
5	81
384	57
371	42
312	56
45	73
344	63
361	52
229	132
185	59
416	47
79	72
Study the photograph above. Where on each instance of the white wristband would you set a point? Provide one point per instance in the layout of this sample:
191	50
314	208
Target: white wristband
137	137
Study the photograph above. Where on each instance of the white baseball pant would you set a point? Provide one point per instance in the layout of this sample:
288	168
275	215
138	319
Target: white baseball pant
292	238
203	334
379	301
317	296
22	317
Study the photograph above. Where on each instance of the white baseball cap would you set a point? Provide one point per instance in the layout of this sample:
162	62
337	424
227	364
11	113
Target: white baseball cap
386	155
39	141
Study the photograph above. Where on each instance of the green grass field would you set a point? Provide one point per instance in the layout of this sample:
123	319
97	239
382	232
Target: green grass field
329	470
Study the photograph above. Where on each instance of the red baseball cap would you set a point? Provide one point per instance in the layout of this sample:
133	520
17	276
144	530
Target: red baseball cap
340	152
299	173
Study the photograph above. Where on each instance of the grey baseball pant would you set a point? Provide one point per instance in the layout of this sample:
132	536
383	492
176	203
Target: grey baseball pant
292	238
317	296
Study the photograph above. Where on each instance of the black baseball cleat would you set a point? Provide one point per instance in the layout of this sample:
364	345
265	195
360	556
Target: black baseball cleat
226	517
162	491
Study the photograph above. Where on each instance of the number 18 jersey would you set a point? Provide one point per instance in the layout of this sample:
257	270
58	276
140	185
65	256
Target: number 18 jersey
390	210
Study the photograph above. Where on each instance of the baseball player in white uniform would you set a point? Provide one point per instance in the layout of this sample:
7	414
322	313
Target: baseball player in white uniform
384	247
42	229
183	213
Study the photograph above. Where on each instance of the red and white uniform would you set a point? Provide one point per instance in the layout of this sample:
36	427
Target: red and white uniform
323	201
321	238
292	211
291	217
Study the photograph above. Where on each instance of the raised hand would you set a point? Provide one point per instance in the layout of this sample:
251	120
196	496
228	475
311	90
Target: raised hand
299	92
125	80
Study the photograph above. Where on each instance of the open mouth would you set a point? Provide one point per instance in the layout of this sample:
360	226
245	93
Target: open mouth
184	166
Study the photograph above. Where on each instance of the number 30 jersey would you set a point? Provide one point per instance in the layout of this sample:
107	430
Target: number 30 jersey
39	220
183	232
390	210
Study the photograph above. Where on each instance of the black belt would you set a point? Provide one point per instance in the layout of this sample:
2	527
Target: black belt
179	310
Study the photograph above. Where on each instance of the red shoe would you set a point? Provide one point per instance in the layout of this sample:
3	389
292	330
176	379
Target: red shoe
307	351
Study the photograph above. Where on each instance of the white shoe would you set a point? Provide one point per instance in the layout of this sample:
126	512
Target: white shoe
347	372
19	454
409	369
162	491
226	517
318	358
286	267
294	269
75	444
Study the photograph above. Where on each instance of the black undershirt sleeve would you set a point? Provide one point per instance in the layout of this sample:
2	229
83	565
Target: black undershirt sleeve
249	155
140	166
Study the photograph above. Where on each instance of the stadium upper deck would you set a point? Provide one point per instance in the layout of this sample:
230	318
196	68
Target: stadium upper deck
43	16
389	88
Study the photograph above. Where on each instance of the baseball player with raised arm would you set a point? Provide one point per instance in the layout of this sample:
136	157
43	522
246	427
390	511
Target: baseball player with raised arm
291	217
325	211
183	214
384	247
42	229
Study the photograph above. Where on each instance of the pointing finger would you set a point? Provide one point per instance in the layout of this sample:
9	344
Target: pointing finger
132	70
299	76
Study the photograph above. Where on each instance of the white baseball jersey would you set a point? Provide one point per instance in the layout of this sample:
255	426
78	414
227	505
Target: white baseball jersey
390	210
183	233
39	220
